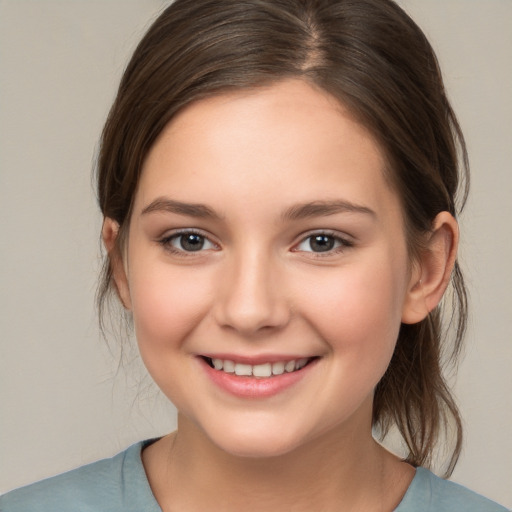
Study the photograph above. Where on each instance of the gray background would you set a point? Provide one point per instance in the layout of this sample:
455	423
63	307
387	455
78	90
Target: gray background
63	399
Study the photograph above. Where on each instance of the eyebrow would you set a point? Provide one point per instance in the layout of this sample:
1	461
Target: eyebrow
324	208
295	212
163	204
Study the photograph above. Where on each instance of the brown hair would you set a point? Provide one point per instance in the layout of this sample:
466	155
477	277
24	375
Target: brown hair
372	57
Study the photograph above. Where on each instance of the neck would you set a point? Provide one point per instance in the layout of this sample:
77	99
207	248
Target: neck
342	470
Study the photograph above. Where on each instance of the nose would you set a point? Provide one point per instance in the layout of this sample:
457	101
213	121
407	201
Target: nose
251	298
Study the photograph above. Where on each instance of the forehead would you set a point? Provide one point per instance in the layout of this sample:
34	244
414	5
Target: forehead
289	142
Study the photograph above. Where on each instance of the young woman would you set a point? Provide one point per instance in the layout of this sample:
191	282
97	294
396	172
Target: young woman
279	182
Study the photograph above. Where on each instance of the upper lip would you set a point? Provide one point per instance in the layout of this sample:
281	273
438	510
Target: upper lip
255	360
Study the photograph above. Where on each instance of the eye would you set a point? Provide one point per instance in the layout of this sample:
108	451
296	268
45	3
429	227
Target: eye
187	241
322	243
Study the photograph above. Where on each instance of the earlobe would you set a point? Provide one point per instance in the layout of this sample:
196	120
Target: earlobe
110	233
431	274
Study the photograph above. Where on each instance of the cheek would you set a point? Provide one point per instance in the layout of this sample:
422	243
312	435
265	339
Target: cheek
358	309
167	303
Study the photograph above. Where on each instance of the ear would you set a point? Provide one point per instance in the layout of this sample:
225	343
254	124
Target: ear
109	233
432	271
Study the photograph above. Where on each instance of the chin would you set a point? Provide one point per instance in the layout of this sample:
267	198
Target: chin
257	448
256	442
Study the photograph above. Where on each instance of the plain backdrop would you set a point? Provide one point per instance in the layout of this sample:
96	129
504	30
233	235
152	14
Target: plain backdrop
64	399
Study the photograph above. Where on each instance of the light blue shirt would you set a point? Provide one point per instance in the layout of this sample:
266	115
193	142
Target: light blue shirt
119	484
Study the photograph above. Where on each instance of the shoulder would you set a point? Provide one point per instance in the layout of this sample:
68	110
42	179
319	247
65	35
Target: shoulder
429	493
117	483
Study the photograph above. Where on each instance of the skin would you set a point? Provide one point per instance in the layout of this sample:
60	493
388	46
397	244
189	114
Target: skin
258	288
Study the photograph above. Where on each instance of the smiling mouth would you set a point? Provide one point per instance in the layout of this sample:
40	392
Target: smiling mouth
263	370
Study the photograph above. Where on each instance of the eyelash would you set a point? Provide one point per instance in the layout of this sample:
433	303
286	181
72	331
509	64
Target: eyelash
343	243
166	242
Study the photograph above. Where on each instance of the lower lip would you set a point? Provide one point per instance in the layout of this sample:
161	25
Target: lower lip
255	387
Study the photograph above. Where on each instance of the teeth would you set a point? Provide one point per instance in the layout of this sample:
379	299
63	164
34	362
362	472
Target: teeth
259	370
262	370
228	366
301	363
278	368
243	369
289	366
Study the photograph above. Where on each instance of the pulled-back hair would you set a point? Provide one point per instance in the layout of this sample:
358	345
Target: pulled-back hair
376	61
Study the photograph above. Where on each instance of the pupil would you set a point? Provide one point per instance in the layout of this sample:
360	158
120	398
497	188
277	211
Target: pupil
192	242
322	243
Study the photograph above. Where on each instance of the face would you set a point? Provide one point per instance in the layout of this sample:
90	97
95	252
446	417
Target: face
266	268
